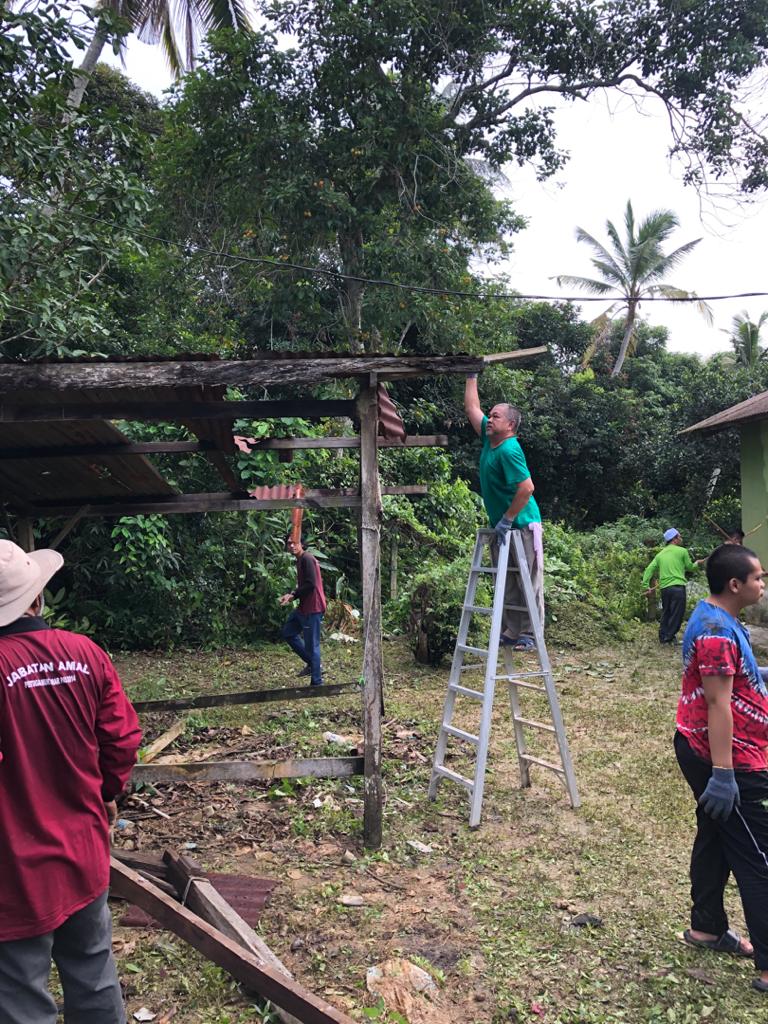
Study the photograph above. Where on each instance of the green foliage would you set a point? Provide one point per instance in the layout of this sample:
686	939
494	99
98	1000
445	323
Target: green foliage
430	612
71	198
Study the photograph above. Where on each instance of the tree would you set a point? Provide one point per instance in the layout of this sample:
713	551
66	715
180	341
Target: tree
71	194
633	267
177	27
366	147
744	336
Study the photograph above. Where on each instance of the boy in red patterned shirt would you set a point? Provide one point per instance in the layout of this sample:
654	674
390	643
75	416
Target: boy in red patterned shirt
722	748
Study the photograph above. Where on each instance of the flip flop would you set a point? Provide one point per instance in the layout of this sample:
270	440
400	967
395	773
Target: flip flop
729	942
524	643
760	985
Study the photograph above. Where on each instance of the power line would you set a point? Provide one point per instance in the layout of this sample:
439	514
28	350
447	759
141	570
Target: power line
193	248
426	289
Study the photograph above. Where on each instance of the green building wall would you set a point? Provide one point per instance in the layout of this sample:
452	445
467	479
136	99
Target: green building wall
754	487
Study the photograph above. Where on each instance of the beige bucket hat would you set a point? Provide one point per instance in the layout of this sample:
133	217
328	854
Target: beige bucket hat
23	575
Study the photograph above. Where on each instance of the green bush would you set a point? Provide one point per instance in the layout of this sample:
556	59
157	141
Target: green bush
431	610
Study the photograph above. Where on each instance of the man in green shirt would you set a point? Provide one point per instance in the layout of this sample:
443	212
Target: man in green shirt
670	565
507	490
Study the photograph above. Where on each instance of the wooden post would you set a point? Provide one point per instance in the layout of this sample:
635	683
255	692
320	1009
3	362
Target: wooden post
25	534
393	566
373	666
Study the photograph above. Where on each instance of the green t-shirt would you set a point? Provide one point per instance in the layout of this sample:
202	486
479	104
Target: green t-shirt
670	565
501	470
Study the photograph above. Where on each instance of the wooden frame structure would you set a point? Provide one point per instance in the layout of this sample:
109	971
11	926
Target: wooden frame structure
61	455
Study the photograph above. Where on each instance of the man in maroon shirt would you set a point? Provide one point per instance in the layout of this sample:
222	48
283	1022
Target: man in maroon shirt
68	741
302	628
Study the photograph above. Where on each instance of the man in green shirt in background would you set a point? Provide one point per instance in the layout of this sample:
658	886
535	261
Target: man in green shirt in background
670	565
507	490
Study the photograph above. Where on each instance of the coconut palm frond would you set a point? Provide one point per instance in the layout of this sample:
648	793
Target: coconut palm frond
670	291
601	331
586	284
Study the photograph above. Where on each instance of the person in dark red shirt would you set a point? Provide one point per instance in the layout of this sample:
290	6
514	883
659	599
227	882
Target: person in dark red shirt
721	745
68	742
302	628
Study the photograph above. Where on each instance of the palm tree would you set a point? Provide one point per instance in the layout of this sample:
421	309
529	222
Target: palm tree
744	335
176	26
634	267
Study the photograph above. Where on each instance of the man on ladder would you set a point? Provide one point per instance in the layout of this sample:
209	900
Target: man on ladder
507	490
516	623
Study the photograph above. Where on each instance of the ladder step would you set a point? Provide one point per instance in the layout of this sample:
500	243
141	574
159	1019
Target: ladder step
524	686
486	569
516	607
481	651
460	734
544	764
475	666
477	609
454	776
521	675
535	725
466	691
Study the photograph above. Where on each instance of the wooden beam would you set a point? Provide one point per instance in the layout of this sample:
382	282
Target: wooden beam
279	370
242	964
220	700
509	357
373	664
176	447
172	412
25	534
68	451
68	527
219	502
203	900
294	443
219	461
151	751
249	771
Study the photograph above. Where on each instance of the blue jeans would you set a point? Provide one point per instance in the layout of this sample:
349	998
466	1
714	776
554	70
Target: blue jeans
302	634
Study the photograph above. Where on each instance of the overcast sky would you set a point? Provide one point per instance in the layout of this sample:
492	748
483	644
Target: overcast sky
617	153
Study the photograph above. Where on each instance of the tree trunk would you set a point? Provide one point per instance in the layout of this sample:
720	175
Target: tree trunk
83	73
629	327
351	247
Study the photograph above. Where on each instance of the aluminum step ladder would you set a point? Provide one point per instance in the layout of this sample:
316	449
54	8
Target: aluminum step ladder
511	561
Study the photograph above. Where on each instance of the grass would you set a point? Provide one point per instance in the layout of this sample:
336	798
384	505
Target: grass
487	912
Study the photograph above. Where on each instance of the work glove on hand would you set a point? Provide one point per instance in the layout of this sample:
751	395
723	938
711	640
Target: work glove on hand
502	528
721	794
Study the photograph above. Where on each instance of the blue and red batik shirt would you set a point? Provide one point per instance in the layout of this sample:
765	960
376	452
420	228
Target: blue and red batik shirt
717	644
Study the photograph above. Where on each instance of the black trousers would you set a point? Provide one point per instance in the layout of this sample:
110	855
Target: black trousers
738	845
672	612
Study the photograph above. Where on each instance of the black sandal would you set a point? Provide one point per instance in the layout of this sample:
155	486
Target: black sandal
729	942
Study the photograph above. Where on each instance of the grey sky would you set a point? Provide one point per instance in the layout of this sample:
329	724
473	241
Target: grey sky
617	153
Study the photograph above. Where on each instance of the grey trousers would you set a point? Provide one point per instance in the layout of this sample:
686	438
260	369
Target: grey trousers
82	951
514	623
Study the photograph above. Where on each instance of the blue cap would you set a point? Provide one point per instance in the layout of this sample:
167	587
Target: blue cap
670	534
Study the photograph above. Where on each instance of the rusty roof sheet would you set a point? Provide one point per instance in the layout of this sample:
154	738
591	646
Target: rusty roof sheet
754	408
248	896
26	481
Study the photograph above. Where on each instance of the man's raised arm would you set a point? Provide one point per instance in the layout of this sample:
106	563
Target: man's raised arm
472	403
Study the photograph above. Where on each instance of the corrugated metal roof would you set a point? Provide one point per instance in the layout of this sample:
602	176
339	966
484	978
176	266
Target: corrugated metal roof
754	408
248	896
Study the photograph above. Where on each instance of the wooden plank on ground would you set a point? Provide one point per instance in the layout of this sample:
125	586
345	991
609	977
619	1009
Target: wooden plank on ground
203	899
221	700
241	963
249	771
150	752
